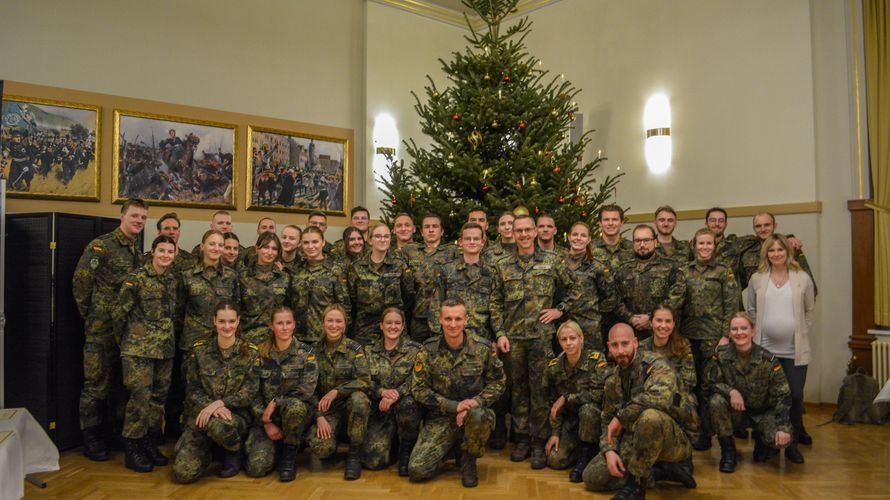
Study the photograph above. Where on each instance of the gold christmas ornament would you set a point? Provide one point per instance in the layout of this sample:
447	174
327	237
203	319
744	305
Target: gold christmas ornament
494	124
450	156
487	76
520	210
475	139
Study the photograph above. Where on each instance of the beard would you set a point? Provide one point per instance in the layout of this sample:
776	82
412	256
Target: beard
645	255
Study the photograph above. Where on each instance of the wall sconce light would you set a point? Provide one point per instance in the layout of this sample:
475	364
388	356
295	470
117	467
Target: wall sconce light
386	143
657	123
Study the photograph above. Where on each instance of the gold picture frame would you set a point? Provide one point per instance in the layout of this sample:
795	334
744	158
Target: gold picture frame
164	168
296	172
50	149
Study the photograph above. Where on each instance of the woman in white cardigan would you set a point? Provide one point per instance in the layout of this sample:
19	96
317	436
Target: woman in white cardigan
781	297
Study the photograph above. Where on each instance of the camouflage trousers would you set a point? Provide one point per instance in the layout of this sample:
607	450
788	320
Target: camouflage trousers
529	406
148	381
438	436
702	350
355	411
655	437
577	425
402	420
501	407
725	419
101	375
193	449
293	418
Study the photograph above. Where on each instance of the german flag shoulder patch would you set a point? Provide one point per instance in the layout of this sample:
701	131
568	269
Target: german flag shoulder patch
601	364
777	366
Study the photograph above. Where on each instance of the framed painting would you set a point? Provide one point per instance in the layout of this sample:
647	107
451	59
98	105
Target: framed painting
294	172
166	160
50	149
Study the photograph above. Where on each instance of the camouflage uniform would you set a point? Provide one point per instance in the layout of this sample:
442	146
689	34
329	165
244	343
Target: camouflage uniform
372	289
684	364
726	252
441	381
762	383
289	378
749	259
643	284
263	288
105	262
579	419
344	367
471	283
611	257
144	320
201	288
491	254
317	285
679	250
426	265
390	370
646	397
525	286
214	374
597	297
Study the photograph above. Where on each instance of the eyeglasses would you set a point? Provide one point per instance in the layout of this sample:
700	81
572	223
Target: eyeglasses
640	241
381	236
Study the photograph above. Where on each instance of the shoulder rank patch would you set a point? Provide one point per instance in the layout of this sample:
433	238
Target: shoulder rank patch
714	357
94	263
601	364
690	356
595	355
553	362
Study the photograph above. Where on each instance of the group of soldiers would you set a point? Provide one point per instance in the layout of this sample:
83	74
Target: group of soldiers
35	154
482	322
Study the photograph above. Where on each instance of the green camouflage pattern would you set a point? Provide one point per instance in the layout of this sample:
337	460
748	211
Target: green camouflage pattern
148	381
440	434
290	378
426	265
262	289
200	289
211	376
316	285
471	283
183	260
193	449
597	297
373	288
613	256
144	318
496	251
643	284
679	250
684	364
712	297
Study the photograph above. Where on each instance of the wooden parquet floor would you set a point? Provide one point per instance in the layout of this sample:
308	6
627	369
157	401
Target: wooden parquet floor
844	462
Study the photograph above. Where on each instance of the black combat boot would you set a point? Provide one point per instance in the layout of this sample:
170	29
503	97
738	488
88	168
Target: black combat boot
468	474
762	452
150	449
498	438
703	443
633	489
803	437
94	444
405	448
740	434
586	452
231	465
539	459
727	454
677	472
793	454
287	464
353	469
521	450
135	458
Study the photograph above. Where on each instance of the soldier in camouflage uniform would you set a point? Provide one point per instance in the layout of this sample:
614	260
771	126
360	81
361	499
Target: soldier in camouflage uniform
144	323
316	283
320	220
265	225
378	280
426	260
749	250
534	289
222	222
645	282
231	256
575	391
291	250
343	382
286	401
504	245
642	422
394	411
355	248
168	225
666	341
546	236
610	249
597	286
360	219
745	384
457	377
222	386
403	229
105	263
264	286
668	246
712	296
202	286
727	250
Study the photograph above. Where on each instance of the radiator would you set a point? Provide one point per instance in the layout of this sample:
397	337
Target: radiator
880	361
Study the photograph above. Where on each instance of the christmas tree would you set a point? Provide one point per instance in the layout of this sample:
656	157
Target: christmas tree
500	137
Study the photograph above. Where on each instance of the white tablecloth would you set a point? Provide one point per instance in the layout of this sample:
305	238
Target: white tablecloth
24	449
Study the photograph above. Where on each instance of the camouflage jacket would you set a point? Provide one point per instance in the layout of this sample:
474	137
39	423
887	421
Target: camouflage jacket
643	284
145	314
597	286
288	375
614	255
759	379
210	376
343	367
727	252
525	286
442	380
679	250
317	285
582	385
105	262
749	259
391	369
262	288
372	289
649	382
683	364
491	254
712	297
472	283
200	289
426	265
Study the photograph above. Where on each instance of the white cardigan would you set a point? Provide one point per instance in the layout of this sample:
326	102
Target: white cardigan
804	301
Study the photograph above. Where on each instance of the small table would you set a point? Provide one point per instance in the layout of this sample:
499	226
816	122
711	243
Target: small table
24	449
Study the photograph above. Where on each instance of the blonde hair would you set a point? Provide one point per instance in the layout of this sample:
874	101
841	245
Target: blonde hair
791	262
747	317
570	325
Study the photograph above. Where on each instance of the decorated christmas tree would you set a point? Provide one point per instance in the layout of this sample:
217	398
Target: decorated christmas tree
499	137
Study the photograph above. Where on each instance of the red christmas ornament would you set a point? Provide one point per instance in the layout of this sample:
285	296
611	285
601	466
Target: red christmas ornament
485	188
536	210
506	78
556	169
562	200
522	125
394	201
572	115
584	214
456	116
